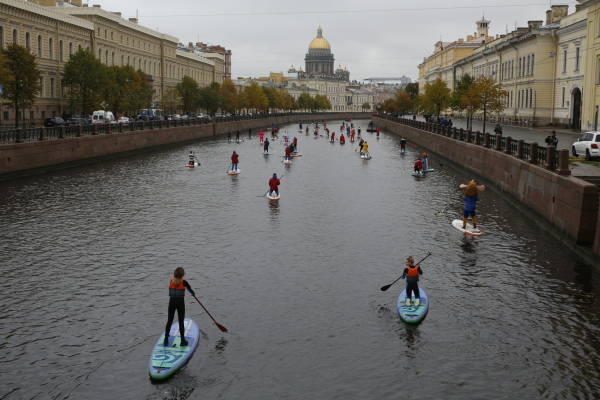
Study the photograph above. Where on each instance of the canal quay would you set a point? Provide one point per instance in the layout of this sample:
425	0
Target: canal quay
87	254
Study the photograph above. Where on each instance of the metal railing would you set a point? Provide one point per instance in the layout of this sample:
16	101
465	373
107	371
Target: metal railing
537	157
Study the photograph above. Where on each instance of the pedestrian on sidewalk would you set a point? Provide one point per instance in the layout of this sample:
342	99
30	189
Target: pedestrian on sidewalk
552	140
498	129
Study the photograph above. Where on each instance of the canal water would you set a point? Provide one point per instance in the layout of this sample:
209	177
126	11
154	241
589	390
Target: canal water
86	255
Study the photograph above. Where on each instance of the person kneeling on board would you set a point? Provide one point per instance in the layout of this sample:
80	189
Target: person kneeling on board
411	273
288	152
274	185
234	161
470	197
177	288
418	166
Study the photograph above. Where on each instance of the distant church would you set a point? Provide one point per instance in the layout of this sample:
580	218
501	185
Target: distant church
319	61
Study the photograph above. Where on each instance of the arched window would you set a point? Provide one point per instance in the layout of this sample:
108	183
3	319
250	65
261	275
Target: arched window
1	37
139	64
40	53
27	40
122	59
128	60
100	55
50	49
145	70
70	49
106	57
133	65
78	47
15	36
60	50
113	58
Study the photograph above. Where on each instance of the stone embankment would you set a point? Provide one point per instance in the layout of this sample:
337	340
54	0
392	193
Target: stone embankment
532	176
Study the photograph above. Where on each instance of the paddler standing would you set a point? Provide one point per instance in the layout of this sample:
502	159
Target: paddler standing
274	185
237	135
234	161
288	153
177	288
261	135
471	197
403	144
360	145
266	146
333	136
295	144
249	133
192	158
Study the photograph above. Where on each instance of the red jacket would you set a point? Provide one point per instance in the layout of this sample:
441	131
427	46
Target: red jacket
418	164
274	183
234	159
342	139
288	150
333	136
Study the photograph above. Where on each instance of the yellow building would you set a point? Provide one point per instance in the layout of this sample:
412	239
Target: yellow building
591	94
56	29
440	63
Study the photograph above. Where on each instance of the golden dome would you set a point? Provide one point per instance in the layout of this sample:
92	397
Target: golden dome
319	42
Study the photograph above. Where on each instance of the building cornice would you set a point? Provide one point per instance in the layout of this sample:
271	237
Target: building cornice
572	28
49	12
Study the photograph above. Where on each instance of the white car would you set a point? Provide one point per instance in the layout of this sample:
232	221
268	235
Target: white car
124	120
588	146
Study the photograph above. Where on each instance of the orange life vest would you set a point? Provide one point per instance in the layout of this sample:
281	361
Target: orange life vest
176	291
413	271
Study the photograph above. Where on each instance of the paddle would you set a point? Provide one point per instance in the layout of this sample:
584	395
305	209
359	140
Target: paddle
272	149
221	327
270	189
197	160
439	163
386	287
229	168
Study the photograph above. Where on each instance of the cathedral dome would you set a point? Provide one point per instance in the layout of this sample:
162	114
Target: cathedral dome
319	42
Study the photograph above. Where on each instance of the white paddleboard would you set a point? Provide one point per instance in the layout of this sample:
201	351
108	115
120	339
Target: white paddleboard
458	224
234	172
274	197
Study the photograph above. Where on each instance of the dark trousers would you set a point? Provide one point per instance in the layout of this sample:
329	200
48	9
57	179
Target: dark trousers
179	305
412	287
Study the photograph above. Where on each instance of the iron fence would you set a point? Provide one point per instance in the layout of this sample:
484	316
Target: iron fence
514	147
540	156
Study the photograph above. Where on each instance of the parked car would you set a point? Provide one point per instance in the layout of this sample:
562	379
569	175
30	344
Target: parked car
185	116
587	146
124	120
176	116
76	121
53	121
167	117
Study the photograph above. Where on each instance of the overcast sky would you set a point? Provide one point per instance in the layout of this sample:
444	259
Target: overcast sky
372	39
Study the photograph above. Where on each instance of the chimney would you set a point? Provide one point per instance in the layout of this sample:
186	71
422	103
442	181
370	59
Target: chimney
534	24
469	38
96	6
521	30
118	14
461	40
488	39
76	3
579	7
559	12
548	17
134	20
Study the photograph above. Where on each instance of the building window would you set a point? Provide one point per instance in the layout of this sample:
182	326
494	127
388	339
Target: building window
52	88
1	37
43	115
113	58
41	94
70	49
577	59
562	101
100	55
27	40
106	57
51	49
532	63
564	61
122	59
5	115
15	36
60	50
31	115
40	47
528	60
78	47
519	67
598	72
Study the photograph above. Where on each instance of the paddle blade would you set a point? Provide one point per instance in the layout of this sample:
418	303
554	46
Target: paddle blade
221	327
384	288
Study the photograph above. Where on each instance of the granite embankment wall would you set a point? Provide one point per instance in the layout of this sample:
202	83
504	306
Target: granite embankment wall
568	206
18	159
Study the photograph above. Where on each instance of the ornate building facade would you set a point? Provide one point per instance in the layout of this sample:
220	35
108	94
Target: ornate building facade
56	29
319	59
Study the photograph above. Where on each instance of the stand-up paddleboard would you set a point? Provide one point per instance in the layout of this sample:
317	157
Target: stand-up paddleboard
287	161
250	137
297	155
274	197
332	141
234	172
402	151
429	170
417	173
316	137
238	141
413	314
365	157
352	141
342	142
458	224
265	154
192	166
166	360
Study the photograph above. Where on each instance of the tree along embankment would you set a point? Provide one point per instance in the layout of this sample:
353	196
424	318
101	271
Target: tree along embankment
536	179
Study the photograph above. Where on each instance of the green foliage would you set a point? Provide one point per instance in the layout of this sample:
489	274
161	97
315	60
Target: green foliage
321	102
306	102
84	78
170	100
255	97
210	98
485	95
403	101
436	97
366	106
126	90
462	87
20	77
412	89
189	92
230	97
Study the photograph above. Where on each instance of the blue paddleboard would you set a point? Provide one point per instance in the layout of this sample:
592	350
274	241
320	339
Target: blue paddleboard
429	170
166	360
412	314
417	174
